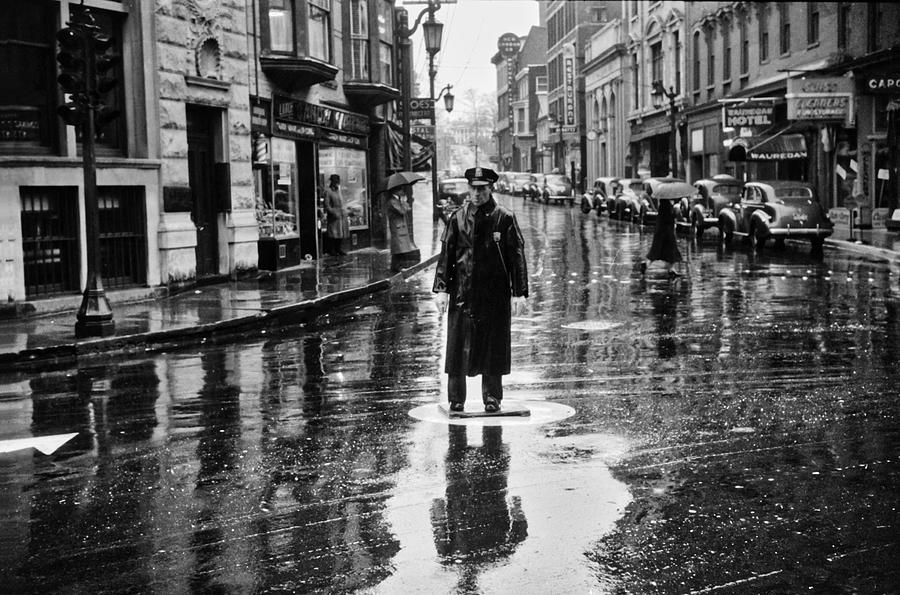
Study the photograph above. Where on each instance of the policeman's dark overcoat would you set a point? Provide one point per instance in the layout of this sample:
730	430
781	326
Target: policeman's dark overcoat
481	265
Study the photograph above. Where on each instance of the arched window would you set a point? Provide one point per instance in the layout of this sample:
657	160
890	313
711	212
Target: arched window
696	61
595	115
604	114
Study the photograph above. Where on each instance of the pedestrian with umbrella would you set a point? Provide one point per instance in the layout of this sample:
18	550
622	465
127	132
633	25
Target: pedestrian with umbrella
665	244
481	275
404	252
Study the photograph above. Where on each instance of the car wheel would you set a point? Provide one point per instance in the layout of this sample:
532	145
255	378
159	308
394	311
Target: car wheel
726	233
696	230
756	242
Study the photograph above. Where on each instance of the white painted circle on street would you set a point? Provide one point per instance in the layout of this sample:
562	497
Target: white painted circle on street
542	412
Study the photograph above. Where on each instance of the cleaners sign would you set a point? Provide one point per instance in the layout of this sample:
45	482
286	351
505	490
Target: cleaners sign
827	98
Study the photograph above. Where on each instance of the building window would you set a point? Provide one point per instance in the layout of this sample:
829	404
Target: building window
281	26
696	74
386	47
319	30
676	40
710	60
763	36
784	27
726	53
874	19
541	84
745	46
595	115
635	82
359	39
812	23
656	73
843	19
521	124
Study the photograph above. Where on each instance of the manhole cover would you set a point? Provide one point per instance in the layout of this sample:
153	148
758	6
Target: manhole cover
592	325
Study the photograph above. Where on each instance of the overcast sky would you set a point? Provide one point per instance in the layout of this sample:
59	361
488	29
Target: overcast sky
471	30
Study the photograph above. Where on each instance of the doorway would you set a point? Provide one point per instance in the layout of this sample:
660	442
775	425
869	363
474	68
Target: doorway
201	138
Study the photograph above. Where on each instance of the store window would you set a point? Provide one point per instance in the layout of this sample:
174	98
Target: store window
27	85
350	164
276	191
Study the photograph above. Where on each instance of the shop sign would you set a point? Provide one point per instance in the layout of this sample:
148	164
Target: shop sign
426	131
342	139
20	125
421	108
569	79
260	115
322	116
292	130
508	45
748	115
827	98
881	84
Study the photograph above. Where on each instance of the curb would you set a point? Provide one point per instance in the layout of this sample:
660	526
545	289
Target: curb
154	341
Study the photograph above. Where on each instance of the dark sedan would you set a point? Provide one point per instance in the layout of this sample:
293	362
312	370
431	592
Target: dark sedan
712	196
779	210
452	192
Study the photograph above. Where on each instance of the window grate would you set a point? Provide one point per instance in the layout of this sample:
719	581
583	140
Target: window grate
50	246
123	236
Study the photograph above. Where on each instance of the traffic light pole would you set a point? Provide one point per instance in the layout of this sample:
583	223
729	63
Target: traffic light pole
94	317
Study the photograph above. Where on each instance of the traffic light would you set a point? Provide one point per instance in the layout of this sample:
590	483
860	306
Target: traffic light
104	80
72	58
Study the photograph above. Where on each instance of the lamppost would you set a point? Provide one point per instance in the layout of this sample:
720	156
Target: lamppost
448	105
659	91
432	30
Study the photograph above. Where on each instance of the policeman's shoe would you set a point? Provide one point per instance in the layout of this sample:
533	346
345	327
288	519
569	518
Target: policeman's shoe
491	405
457	406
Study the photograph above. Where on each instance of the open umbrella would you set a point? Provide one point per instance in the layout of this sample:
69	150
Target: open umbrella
674	191
402	178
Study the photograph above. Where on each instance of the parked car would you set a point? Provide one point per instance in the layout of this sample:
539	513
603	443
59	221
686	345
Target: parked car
713	194
558	188
533	188
649	204
518	183
503	181
600	192
625	204
779	210
452	193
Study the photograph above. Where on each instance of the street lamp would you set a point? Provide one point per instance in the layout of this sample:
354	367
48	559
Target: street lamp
659	91
433	31
448	105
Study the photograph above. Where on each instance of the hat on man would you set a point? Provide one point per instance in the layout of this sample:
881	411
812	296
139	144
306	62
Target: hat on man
481	176
334	178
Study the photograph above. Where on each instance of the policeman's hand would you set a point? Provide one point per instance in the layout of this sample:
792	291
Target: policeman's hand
441	299
518	305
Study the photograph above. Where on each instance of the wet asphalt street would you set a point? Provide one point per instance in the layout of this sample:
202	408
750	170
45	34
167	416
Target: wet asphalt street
734	431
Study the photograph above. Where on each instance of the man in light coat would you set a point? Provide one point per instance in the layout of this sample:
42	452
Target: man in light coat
336	228
482	276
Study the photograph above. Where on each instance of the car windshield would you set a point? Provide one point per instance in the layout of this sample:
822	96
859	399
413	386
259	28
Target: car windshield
728	190
557	179
457	187
521	178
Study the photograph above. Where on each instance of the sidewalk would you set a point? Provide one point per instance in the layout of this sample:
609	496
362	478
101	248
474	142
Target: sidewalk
214	310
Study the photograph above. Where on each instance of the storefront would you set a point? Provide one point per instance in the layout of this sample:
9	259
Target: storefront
879	107
297	147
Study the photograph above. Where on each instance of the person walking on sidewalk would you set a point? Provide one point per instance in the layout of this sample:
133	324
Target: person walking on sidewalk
336	228
404	252
665	244
482	276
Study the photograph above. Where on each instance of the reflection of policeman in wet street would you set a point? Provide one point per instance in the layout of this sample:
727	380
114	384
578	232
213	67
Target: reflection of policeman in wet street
477	522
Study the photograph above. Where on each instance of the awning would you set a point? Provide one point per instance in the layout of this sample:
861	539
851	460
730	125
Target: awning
772	148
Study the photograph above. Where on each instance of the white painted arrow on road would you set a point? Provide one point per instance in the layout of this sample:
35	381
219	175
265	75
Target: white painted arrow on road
45	444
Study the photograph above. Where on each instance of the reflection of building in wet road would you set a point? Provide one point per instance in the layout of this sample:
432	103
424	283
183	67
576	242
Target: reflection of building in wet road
476	523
